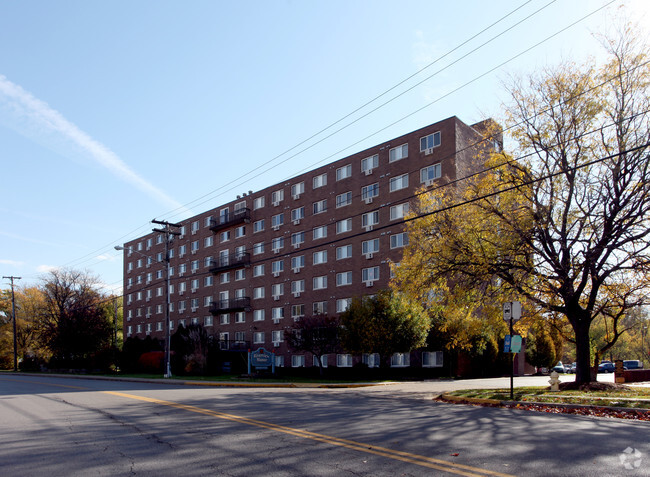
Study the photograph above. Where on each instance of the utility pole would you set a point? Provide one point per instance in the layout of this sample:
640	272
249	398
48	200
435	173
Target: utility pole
13	312
169	235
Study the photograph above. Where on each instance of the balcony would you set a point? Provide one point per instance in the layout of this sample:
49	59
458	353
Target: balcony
239	216
234	304
228	262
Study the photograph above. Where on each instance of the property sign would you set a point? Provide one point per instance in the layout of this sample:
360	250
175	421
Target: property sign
515	344
260	358
506	344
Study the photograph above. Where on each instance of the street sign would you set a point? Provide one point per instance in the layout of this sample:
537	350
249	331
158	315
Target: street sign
515	344
511	310
506	344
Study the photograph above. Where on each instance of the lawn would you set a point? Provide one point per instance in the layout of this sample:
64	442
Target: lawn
622	397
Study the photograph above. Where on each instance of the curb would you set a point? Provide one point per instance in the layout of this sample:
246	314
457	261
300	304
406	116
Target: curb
178	382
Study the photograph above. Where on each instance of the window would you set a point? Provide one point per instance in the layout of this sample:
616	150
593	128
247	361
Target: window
344	251
240	231
195	226
432	359
208	321
277	221
207	300
277	244
343	172
277	267
320	232
320	283
344	360
320	181
277	197
258	292
239	252
320	257
208	281
399	182
319	308
258	315
399	240
239	206
320	206
399	211
258	203
369	163
297	214
277	313
430	173
258	248
182	250
297	311
297	239
429	142
297	189
323	361
370	246
279	361
342	304
298	361
400	360
298	286
224	236
370	219
182	268
240	336
258	270
370	191
208	221
240	317
258	337
276	336
208	242
194	266
343	199
371	359
397	153
224	319
240	274
343	278
370	274
297	262
343	226
224	277
194	247
258	226
195	284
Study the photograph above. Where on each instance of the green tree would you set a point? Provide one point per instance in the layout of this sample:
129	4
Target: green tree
318	335
564	225
75	322
385	323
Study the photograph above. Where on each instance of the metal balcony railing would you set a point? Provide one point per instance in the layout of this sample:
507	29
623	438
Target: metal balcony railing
228	262
232	304
239	216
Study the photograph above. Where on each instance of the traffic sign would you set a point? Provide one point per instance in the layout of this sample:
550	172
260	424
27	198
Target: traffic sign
506	344
511	310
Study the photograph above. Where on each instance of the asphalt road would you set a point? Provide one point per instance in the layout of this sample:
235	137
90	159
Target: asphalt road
77	427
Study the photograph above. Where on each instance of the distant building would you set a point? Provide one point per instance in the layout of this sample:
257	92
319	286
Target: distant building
247	269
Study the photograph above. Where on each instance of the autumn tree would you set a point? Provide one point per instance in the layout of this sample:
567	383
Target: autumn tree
317	334
562	222
384	323
75	321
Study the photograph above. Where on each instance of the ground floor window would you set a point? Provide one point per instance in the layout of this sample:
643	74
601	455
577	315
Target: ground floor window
432	359
400	360
344	360
298	361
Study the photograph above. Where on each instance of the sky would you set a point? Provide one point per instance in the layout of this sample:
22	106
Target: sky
116	113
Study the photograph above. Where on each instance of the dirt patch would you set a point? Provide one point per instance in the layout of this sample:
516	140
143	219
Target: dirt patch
593	386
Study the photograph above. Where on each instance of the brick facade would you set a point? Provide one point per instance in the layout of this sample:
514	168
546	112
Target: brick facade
237	269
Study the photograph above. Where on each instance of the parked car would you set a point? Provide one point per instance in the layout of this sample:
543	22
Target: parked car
633	364
558	368
606	367
572	369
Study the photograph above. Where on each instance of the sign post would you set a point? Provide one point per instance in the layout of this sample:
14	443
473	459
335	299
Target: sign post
512	313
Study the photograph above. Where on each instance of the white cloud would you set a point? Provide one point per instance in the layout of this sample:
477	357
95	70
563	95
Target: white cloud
46	268
11	263
105	258
34	118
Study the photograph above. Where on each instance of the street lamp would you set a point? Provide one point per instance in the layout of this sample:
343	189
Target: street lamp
168	371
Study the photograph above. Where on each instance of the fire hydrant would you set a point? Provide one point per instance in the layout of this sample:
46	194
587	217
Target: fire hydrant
554	381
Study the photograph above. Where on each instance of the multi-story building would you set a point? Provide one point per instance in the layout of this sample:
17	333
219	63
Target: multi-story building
247	269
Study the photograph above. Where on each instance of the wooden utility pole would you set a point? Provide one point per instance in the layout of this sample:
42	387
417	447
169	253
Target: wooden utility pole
13	313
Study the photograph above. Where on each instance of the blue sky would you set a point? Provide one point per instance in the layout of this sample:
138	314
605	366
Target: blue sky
115	113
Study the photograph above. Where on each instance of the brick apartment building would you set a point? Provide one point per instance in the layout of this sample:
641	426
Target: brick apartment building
247	269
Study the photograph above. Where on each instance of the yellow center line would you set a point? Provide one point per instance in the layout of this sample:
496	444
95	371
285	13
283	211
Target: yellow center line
416	459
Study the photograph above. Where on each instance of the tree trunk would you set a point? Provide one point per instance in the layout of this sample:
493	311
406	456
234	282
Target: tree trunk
583	352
